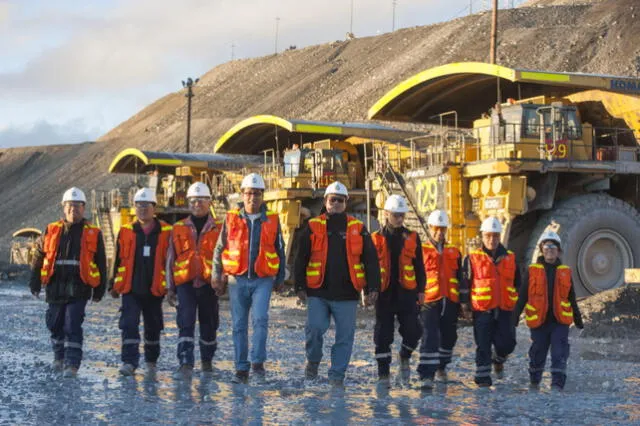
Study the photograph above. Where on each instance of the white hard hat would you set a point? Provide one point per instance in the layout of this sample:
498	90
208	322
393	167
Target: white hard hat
252	180
336	188
438	218
396	204
74	194
198	189
491	224
145	195
550	236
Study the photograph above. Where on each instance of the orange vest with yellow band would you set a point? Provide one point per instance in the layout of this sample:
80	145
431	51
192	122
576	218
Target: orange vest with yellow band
493	285
127	254
538	300
89	272
235	256
442	272
406	269
320	248
193	259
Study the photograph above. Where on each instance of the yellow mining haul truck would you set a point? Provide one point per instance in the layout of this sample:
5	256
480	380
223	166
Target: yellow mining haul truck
170	174
556	151
302	157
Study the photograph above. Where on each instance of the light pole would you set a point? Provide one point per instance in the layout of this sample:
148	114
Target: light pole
393	23
277	25
351	19
189	86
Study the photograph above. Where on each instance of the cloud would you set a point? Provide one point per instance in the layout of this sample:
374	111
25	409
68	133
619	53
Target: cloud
45	133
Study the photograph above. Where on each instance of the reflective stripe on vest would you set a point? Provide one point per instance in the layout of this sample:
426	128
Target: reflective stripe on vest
89	272
493	285
235	256
320	248
407	275
537	305
127	243
194	259
441	270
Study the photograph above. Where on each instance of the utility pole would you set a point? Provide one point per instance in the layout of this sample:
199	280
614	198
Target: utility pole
351	19
393	22
233	53
277	25
470	7
494	33
189	86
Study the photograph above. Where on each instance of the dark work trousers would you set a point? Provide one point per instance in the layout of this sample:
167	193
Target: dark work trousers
554	335
64	320
492	328
151	309
439	335
407	314
204	302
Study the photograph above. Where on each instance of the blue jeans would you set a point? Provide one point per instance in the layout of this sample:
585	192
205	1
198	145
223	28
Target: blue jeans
245	295
319	313
65	320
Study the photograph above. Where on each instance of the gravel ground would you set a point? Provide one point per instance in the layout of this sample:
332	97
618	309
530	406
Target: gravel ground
601	389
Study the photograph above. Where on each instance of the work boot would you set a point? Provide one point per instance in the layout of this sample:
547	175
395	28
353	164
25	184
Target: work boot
441	375
337	383
311	370
405	368
127	369
258	372
533	385
484	385
498	369
151	367
70	372
240	378
426	383
57	365
384	380
184	372
207	367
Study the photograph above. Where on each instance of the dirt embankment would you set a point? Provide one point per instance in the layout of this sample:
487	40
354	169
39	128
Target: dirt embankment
612	314
333	81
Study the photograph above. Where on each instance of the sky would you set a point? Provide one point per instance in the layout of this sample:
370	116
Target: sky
72	70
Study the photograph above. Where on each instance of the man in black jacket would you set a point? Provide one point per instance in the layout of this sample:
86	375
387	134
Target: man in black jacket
139	267
70	262
402	280
336	260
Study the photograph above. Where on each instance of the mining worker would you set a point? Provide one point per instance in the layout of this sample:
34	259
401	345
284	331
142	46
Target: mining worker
336	260
491	281
439	313
402	279
70	262
188	274
549	301
250	252
139	276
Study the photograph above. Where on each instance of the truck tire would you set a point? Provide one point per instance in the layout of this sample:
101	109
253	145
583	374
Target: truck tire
600	239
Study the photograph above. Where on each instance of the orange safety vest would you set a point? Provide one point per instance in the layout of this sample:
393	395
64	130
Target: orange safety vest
127	254
89	272
407	273
441	270
194	259
538	300
493	285
235	256
320	248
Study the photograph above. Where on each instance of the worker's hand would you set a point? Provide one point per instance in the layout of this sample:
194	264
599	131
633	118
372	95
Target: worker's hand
36	294
420	298
114	293
278	287
371	298
302	297
219	285
466	312
172	299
